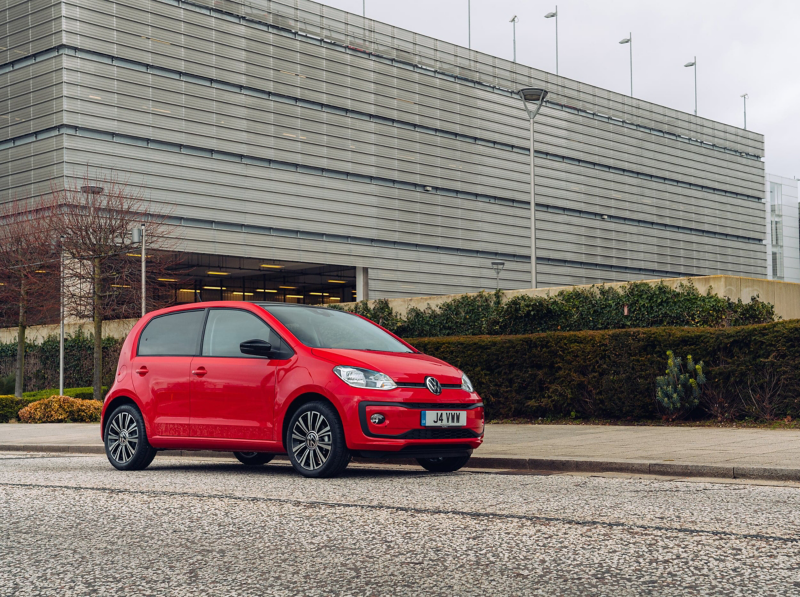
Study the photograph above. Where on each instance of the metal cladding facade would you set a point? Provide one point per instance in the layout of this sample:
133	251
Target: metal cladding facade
285	129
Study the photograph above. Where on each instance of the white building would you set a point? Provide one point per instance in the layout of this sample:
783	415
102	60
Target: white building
783	229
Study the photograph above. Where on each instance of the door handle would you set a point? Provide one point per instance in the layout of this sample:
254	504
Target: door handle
142	371
199	372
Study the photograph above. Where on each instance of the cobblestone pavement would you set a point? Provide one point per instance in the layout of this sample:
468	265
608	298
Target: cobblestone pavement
72	525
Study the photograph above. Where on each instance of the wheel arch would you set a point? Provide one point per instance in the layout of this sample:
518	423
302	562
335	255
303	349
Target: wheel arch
111	406
298	402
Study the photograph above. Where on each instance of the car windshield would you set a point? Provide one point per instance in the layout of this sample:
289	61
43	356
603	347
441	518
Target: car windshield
328	328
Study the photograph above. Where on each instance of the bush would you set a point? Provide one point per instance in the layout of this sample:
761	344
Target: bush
80	393
7	384
635	305
61	409
10	406
41	361
611	374
678	391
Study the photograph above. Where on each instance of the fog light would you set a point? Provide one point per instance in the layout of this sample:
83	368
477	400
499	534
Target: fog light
377	419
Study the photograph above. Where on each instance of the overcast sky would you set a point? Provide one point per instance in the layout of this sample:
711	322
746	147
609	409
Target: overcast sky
742	46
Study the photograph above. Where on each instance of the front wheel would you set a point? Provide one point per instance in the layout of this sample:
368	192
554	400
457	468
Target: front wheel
126	442
253	458
315	441
445	464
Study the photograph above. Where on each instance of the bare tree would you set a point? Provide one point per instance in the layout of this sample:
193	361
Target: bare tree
29	270
764	396
102	265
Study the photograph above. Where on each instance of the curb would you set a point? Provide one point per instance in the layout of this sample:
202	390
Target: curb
553	465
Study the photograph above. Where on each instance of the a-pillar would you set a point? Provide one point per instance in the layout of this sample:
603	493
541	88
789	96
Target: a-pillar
362	284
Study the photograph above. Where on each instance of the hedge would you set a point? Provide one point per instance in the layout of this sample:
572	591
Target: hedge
634	305
41	361
751	370
11	405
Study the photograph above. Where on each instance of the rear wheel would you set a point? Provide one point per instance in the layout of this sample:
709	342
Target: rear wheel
445	464
253	458
126	442
315	441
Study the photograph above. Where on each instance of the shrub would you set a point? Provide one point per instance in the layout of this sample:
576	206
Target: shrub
611	374
7	384
61	409
80	393
10	405
678	391
635	305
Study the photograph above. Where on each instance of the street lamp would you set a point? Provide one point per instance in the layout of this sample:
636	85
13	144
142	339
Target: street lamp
498	267
629	40
744	97
469	24
551	15
533	98
694	64
139	237
514	21
61	317
364	8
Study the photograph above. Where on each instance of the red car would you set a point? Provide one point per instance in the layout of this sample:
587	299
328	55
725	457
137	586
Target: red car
260	379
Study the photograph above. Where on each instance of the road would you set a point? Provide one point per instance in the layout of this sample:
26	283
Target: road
72	525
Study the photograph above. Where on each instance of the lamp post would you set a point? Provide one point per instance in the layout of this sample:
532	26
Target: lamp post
469	24
551	15
498	267
364	8
139	237
513	21
744	97
61	326
693	63
629	40
533	98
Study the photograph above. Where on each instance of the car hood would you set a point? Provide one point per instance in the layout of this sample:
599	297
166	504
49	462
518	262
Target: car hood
403	367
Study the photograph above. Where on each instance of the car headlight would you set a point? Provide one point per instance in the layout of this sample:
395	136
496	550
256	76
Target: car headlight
466	384
364	378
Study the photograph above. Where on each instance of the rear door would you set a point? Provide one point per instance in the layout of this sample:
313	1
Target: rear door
162	370
234	394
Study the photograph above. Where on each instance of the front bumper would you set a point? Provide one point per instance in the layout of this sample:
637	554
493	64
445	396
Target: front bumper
402	431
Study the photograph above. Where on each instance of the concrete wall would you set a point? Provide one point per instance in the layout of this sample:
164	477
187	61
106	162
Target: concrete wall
784	295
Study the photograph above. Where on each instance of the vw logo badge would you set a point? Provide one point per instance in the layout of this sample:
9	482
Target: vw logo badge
433	385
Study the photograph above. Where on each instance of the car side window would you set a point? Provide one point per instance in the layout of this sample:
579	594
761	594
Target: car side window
227	328
174	334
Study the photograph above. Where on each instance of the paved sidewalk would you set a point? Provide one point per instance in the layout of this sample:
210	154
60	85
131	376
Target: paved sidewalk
672	451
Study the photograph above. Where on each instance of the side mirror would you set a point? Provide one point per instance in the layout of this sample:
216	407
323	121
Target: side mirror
256	348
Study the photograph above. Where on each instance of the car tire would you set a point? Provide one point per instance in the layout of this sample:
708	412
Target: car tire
315	441
445	464
127	447
253	458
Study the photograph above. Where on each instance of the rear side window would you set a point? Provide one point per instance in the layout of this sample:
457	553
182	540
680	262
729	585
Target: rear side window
227	328
176	334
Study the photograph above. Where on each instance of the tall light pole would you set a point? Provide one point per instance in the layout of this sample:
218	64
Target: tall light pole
364	8
629	40
469	24
551	15
694	64
744	97
498	267
61	317
513	21
533	98
139	237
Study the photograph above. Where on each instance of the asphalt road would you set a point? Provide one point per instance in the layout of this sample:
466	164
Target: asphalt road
72	525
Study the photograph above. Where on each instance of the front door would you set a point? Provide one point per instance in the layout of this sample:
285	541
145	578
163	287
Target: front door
233	395
162	374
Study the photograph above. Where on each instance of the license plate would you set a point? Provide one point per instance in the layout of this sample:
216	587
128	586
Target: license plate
444	418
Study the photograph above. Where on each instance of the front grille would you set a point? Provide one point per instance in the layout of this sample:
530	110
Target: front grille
439	434
445	386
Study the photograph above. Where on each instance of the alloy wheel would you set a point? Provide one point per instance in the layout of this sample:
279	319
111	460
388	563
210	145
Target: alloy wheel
311	440
123	435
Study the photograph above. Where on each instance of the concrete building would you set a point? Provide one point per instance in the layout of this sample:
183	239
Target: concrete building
303	150
783	230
